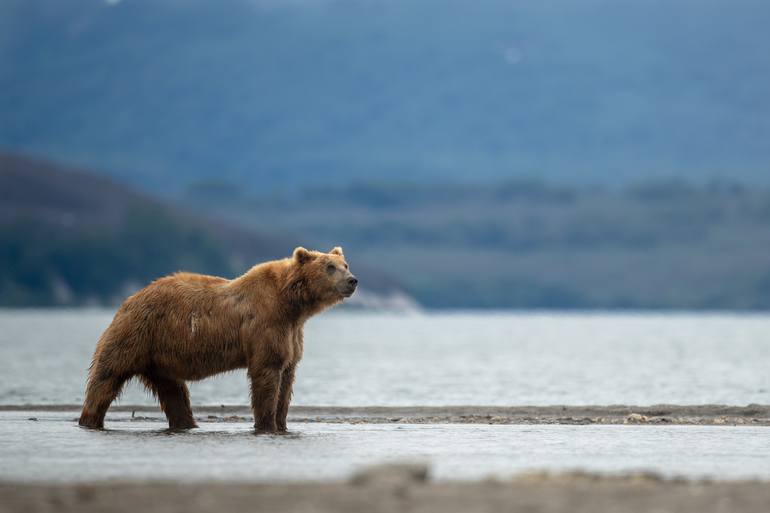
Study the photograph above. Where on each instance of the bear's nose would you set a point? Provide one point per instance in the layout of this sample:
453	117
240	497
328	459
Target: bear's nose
353	281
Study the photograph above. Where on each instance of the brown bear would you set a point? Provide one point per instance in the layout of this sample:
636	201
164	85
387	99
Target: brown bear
190	326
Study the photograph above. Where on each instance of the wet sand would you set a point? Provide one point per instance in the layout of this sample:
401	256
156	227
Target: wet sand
663	414
398	489
394	488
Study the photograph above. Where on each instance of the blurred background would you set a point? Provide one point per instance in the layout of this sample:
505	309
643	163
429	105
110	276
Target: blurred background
487	154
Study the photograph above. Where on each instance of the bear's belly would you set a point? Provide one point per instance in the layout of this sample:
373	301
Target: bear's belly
194	360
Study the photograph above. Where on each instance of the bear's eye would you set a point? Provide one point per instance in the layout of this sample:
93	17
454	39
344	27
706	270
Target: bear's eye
330	268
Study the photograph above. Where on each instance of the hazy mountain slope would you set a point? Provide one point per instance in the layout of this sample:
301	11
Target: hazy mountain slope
531	245
69	237
266	94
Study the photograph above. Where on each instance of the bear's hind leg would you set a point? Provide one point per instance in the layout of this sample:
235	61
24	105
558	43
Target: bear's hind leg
102	389
174	400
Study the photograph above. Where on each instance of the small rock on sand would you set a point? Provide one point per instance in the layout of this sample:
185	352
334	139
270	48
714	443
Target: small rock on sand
636	418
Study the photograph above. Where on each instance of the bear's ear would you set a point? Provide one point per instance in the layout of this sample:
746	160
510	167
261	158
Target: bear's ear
336	251
301	255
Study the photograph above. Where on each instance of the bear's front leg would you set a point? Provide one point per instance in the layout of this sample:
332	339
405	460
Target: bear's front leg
284	398
265	385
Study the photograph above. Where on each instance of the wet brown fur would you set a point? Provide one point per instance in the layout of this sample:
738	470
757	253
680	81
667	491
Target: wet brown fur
190	326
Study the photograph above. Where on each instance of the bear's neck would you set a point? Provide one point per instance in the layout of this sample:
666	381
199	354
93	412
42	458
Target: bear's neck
295	300
298	303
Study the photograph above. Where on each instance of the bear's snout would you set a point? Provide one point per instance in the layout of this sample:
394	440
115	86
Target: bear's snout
350	286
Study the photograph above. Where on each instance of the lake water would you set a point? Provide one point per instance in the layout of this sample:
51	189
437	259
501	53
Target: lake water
360	359
442	359
53	448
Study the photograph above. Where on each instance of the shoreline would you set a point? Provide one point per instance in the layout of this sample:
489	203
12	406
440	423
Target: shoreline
392	488
663	414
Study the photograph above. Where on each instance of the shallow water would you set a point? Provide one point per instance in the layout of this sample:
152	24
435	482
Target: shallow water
54	448
442	359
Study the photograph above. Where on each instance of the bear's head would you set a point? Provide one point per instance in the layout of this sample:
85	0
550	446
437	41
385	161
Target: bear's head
325	277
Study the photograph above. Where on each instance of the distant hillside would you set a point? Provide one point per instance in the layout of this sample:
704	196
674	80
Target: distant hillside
270	94
530	244
69	237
